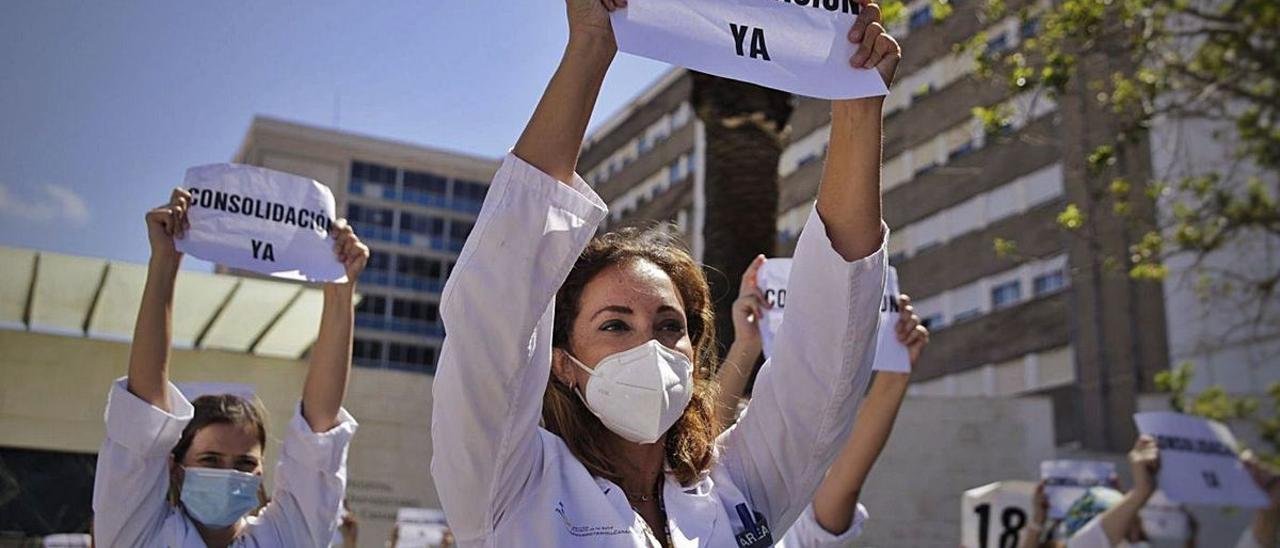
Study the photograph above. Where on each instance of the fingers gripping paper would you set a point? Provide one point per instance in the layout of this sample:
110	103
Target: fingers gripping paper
1198	461
800	46
261	220
891	355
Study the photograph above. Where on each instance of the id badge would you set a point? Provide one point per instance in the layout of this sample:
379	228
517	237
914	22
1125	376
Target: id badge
755	533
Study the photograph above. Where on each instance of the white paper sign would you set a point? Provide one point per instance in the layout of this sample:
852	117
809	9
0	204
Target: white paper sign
1198	461
891	354
261	220
193	390
772	281
995	514
799	46
419	527
1164	519
1065	481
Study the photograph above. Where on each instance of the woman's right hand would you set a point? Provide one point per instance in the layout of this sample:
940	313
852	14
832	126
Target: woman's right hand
747	307
591	17
1144	460
167	222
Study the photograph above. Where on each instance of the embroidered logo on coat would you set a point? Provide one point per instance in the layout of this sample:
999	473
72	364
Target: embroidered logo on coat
587	530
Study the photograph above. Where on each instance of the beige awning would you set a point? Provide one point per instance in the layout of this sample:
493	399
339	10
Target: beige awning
87	297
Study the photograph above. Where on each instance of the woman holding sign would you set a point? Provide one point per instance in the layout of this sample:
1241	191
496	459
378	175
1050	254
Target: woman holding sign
835	516
572	403
178	473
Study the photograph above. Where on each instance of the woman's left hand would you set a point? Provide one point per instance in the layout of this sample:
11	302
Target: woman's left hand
352	253
876	49
910	330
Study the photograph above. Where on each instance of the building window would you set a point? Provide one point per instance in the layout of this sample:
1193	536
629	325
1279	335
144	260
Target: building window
425	189
932	321
458	232
920	17
962	151
1029	28
415	317
411	357
371	312
968	315
373	223
1006	294
378	271
367	353
998	44
419	274
1049	282
468	196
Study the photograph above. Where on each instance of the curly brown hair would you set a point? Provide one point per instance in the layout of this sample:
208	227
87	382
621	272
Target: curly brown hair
690	442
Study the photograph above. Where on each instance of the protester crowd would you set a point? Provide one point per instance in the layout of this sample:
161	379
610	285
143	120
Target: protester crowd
580	398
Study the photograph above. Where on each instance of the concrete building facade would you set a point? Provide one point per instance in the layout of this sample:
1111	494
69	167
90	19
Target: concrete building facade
414	206
1045	320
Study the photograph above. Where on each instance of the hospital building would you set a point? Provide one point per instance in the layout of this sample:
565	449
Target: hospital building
1048	319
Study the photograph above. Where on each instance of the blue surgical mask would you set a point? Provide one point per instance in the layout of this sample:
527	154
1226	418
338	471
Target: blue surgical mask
218	497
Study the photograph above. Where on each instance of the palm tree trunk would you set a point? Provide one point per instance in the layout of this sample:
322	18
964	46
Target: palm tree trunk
745	131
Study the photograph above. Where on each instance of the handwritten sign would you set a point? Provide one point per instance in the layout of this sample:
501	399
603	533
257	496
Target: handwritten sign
1066	480
799	46
261	220
772	281
1198	461
891	354
995	514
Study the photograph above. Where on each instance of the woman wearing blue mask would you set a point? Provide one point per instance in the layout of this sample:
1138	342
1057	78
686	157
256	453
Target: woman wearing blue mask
187	474
573	402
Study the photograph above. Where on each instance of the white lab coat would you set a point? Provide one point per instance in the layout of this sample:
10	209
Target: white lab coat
807	533
504	481
131	484
1093	536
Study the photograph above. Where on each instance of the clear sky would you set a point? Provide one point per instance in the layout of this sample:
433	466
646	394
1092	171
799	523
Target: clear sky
103	105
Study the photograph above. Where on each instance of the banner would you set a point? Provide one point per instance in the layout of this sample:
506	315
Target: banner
772	281
420	527
891	354
798	46
261	220
1198	461
995	514
1066	480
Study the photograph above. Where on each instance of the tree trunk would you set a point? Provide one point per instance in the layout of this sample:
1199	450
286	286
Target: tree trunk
745	131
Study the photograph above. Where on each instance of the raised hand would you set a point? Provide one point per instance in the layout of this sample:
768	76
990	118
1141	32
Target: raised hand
910	331
747	307
167	222
876	49
1144	460
592	16
352	253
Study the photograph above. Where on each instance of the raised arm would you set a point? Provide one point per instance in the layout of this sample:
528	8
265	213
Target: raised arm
1144	460
806	396
849	198
745	350
837	498
1262	530
153	330
326	383
553	137
497	306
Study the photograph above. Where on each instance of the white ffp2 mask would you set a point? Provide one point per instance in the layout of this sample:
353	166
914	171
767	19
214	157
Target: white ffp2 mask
639	393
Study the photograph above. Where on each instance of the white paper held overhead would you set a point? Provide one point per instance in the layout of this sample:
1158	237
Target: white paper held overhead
799	46
263	221
1198	461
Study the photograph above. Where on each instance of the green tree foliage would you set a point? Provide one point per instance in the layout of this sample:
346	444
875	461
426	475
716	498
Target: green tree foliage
1216	404
1192	59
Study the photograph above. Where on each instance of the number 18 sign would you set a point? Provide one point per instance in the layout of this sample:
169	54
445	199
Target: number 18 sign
1198	461
994	515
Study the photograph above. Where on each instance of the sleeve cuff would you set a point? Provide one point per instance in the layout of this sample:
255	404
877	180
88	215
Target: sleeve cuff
815	242
319	450
577	197
822	537
144	428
